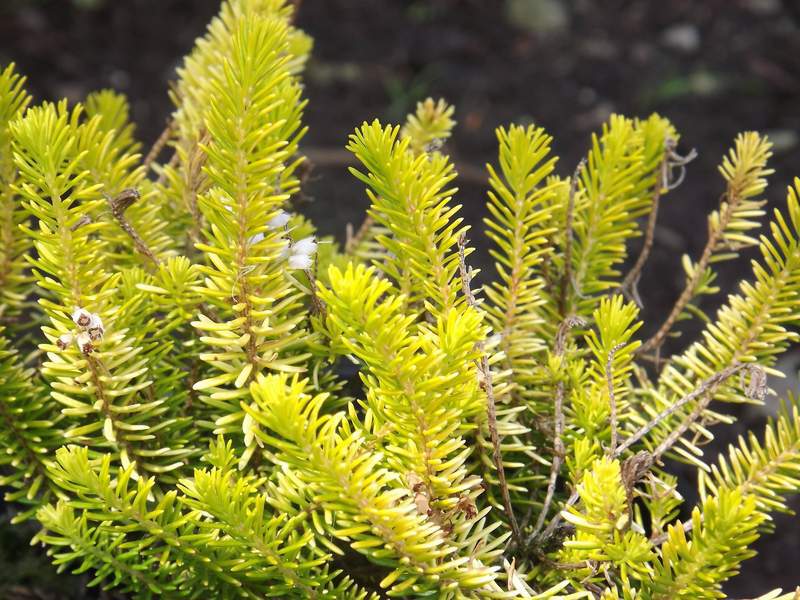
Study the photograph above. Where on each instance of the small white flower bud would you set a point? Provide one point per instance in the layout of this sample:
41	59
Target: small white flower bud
494	340
84	342
305	246
81	317
64	340
300	261
279	220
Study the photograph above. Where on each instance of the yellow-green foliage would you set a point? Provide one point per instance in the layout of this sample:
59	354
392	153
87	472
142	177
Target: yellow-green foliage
172	406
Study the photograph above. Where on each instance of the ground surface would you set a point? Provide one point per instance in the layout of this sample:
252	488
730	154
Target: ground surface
714	67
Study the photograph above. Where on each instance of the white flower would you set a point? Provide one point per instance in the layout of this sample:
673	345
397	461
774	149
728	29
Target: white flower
300	261
81	317
84	342
96	322
494	340
64	341
279	220
96	329
305	246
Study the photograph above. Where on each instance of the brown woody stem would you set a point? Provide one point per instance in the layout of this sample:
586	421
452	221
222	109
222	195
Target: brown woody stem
486	375
119	205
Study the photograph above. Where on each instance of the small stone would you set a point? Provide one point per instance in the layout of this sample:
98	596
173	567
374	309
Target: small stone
683	37
599	49
783	140
763	7
538	16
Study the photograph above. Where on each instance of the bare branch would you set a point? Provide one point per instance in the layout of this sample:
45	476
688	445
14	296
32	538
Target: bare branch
84	220
630	282
159	144
706	387
705	258
118	206
558	444
486	377
194	181
317	305
354	239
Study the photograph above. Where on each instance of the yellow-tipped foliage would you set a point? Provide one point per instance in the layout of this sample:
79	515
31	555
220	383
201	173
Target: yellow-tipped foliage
199	398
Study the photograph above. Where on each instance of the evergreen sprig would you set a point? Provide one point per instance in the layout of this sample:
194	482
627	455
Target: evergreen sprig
173	407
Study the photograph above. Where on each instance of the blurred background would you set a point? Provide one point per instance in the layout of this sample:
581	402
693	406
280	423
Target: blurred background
714	67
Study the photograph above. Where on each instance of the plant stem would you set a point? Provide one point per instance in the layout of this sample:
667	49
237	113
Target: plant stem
486	375
159	144
699	269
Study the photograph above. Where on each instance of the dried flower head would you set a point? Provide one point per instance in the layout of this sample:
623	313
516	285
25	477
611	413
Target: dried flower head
467	506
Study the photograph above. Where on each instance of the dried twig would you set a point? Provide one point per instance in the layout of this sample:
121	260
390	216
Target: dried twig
84	220
193	183
573	498
159	144
567	277
706	387
558	445
558	457
666	182
631	280
118	206
713	239
317	305
354	239
486	379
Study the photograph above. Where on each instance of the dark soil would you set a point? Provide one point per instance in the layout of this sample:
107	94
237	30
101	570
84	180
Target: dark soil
715	68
